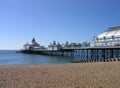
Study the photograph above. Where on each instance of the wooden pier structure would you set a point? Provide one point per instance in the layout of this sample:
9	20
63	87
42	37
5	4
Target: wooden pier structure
86	54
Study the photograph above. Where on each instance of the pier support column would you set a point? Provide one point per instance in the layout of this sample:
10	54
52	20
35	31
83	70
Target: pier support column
97	57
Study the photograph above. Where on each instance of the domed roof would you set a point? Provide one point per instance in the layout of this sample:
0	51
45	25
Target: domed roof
111	32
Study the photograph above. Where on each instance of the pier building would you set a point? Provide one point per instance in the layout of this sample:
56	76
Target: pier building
54	46
110	37
33	45
72	44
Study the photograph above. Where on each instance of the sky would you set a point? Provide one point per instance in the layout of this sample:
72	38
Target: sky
59	20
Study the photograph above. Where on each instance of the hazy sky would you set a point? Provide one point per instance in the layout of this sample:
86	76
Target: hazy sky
60	20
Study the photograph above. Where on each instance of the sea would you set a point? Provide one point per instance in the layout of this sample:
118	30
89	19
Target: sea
11	57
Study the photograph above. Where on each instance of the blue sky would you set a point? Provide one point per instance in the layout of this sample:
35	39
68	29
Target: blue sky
49	20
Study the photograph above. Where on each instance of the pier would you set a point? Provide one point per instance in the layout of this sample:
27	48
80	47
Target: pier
87	54
104	47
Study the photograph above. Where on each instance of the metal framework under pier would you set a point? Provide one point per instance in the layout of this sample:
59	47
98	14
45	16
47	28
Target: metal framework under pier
87	54
90	53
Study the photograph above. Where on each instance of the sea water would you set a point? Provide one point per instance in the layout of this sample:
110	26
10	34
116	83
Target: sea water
10	57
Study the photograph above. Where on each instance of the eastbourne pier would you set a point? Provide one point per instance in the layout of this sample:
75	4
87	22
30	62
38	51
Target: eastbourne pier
104	47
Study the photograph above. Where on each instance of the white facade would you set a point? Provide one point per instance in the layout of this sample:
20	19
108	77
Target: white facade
54	47
110	37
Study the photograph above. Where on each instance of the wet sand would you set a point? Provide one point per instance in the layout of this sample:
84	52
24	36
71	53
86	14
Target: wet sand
74	75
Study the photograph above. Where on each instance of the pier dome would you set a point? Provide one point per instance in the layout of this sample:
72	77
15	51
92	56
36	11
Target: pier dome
110	37
110	33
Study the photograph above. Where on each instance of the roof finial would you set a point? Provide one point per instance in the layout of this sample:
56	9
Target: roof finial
33	40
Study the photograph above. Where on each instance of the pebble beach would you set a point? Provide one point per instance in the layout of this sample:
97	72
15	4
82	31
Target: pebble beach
73	75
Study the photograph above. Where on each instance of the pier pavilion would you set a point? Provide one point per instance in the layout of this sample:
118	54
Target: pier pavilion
33	45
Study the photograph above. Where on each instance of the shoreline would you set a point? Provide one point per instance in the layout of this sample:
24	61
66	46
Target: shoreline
71	75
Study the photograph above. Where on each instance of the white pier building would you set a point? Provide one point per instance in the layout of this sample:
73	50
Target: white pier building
33	45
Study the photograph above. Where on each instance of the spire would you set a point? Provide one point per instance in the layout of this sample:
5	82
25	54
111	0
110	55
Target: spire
33	40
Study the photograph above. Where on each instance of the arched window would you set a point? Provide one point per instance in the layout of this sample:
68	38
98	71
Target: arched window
97	38
113	37
104	38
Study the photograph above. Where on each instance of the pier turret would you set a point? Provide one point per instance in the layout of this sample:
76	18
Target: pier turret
33	40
